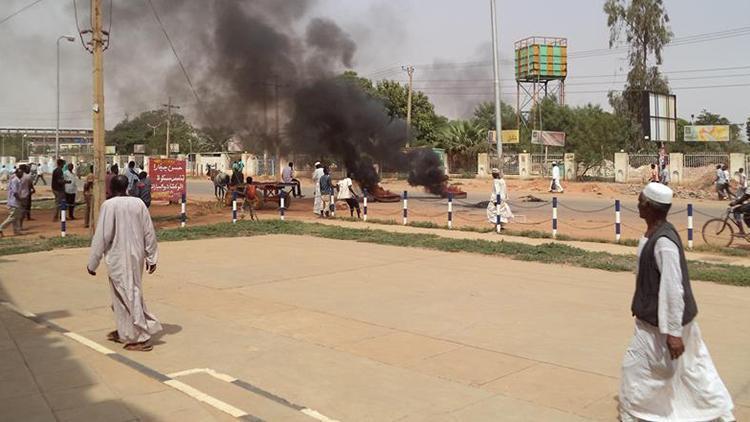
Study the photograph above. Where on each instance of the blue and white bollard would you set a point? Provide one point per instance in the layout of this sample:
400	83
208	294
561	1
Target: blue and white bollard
618	222
63	211
690	225
498	224
183	211
554	217
406	212
234	207
282	206
450	211
364	215
332	207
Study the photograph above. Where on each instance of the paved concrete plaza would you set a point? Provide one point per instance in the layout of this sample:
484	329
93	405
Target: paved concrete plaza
297	328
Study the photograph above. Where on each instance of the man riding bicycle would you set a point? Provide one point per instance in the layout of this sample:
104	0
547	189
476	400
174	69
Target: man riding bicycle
741	208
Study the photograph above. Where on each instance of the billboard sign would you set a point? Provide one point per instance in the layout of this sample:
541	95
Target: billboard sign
708	133
110	150
139	149
551	139
174	148
659	120
168	178
510	136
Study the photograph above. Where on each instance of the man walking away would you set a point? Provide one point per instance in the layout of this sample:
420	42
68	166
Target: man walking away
556	186
88	196
143	188
5	174
14	204
667	372
664	176
287	176
326	193
346	193
58	187
727	179
653	175
125	237
318	200
132	175
499	187
71	188
41	169
26	192
251	196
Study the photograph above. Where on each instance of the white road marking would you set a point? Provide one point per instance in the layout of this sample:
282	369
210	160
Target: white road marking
228	378
89	343
205	398
18	310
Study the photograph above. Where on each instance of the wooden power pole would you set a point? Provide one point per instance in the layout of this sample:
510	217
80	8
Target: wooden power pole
97	46
169	107
410	71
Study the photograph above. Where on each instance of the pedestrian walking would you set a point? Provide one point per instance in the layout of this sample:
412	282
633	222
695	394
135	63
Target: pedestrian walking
727	179
58	187
499	187
26	192
88	196
326	193
125	236
741	183
71	188
667	372
251	197
14	204
347	194
41	170
556	186
317	198
653	175
664	176
5	175
143	188
720	181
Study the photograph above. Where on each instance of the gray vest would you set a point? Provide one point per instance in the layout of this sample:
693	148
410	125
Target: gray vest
646	298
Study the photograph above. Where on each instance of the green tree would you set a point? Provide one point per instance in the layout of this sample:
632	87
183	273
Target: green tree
425	121
463	137
644	26
484	116
150	128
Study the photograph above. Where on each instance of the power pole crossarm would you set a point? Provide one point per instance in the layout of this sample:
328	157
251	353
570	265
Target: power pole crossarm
169	107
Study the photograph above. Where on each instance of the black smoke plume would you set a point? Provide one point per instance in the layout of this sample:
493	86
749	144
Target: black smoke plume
248	61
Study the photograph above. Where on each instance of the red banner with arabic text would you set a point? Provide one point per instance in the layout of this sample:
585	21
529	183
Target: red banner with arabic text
168	178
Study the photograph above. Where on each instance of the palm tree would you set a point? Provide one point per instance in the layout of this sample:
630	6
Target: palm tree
462	137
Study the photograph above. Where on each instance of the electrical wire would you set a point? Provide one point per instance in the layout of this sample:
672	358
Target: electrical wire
18	12
177	56
78	27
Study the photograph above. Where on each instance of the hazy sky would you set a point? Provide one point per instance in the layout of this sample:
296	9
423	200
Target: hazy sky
447	41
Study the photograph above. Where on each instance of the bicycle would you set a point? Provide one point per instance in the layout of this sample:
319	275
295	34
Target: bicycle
719	231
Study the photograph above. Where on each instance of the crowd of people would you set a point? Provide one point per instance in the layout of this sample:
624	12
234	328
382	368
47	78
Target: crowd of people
67	183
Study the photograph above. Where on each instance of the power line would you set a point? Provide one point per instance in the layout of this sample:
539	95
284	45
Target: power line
17	12
177	56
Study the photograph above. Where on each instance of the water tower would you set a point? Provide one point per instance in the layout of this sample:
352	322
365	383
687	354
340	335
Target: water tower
541	68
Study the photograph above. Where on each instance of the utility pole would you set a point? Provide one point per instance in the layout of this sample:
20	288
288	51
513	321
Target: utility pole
169	107
496	66
410	71
97	46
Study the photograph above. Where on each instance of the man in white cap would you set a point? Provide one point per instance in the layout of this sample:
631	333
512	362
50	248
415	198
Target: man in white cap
556	186
667	372
318	201
498	188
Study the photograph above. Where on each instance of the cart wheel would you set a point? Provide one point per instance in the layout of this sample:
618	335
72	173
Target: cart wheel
718	232
261	200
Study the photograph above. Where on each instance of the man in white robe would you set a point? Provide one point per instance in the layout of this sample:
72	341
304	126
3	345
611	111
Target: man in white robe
498	188
125	237
667	372
318	199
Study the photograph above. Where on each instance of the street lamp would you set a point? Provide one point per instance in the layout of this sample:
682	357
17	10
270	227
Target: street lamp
57	128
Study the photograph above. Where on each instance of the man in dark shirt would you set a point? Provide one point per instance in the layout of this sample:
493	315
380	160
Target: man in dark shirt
58	187
142	188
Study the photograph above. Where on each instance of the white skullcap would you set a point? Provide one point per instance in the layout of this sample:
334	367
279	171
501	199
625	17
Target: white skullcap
317	163
495	171
554	163
658	193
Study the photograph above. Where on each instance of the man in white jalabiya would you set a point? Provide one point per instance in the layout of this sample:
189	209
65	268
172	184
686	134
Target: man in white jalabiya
667	372
555	186
318	201
125	236
498	188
